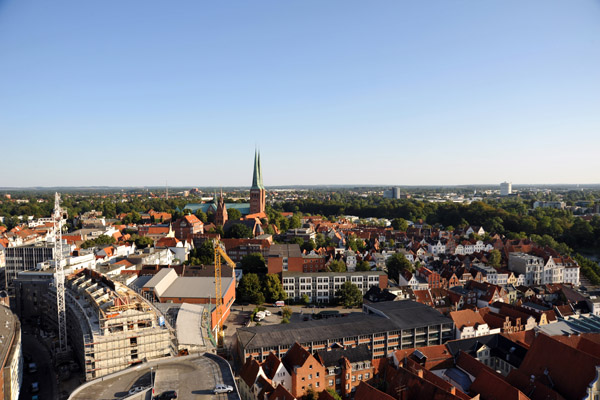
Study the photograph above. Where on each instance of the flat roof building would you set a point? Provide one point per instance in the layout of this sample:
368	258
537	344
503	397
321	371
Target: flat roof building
385	326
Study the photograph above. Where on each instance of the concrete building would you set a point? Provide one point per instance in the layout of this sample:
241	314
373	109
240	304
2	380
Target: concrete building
26	258
530	266
385	326
392	193
11	357
167	287
110	327
321	286
505	188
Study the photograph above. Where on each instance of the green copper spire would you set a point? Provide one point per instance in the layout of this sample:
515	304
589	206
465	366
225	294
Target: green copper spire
257	182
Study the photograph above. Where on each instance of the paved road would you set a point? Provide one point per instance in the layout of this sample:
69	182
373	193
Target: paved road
192	377
45	375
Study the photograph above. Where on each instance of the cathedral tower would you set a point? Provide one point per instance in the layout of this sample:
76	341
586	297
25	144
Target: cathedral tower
221	214
257	192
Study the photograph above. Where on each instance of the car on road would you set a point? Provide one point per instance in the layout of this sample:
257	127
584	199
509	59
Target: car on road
220	388
32	367
136	389
168	395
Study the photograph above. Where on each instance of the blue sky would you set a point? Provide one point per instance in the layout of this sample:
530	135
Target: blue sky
133	93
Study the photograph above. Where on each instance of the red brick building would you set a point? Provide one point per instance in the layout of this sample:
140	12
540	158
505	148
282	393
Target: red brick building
186	227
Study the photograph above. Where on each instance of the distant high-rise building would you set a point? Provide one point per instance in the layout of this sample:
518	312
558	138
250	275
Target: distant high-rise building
505	188
392	193
257	192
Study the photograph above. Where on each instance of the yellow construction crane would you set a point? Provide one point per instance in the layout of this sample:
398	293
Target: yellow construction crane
220	254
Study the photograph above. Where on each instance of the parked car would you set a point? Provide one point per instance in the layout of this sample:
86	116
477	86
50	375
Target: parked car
279	303
267	312
221	388
136	389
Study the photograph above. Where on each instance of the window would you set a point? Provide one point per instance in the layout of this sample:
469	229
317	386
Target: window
347	386
310	366
366	376
317	374
353	378
338	381
360	377
309	376
317	384
331	382
347	376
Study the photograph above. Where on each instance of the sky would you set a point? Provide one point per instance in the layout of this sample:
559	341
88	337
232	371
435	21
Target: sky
437	92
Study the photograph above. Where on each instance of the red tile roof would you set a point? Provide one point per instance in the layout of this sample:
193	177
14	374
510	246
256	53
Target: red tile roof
364	391
490	386
466	318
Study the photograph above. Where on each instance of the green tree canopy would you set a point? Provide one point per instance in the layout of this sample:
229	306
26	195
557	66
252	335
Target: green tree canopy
202	216
363	266
273	289
203	254
400	224
337	266
101	240
233	214
239	231
396	264
249	289
254	263
143	241
495	258
349	295
305	299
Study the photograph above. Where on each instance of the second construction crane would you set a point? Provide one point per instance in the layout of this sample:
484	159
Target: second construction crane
220	255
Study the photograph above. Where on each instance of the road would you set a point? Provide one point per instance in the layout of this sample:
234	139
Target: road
44	375
192	377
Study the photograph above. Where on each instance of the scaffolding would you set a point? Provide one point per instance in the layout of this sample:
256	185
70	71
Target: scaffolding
119	328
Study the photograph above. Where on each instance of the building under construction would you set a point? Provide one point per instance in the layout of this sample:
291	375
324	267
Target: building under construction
111	327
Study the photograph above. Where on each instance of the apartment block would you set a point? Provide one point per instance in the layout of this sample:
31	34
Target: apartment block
322	286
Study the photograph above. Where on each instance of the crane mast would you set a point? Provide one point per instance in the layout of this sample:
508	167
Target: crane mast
220	255
59	275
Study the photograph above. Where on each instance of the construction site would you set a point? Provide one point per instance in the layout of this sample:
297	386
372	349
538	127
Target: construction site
111	327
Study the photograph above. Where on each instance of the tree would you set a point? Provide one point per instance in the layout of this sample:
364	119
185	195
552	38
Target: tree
202	216
308	246
311	394
305	299
203	254
239	231
286	312
337	266
363	266
495	258
295	222
334	394
234	214
349	295
273	289
254	263
400	224
397	264
297	240
249	289
99	241
143	242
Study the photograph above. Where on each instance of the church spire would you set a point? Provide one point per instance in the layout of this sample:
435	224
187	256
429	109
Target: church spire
257	182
